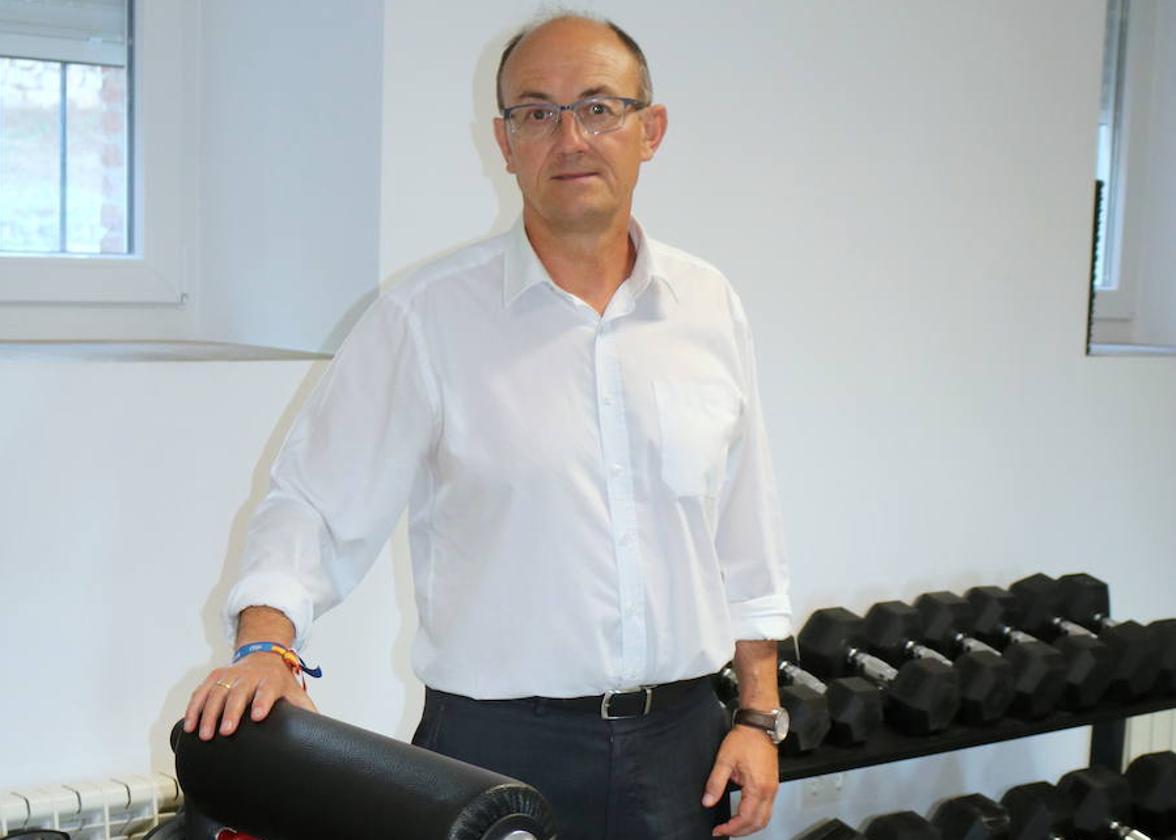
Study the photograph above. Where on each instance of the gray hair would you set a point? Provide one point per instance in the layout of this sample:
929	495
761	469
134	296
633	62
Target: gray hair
645	93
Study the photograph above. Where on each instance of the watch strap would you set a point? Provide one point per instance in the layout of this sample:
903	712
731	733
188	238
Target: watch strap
767	721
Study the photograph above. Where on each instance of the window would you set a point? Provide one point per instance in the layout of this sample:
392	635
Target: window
63	127
1105	276
108	197
1134	287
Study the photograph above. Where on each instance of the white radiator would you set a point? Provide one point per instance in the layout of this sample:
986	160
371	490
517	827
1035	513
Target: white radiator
1149	734
125	808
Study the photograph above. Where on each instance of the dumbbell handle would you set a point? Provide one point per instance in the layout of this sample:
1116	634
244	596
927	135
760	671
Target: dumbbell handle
970	645
1126	831
871	667
799	676
1017	637
1070	628
918	651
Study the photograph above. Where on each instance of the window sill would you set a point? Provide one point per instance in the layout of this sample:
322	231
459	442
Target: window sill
150	351
1131	350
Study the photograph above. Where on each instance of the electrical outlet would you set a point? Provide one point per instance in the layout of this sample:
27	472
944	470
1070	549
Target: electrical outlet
821	790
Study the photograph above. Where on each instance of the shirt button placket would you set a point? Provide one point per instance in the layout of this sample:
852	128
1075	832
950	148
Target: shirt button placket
614	437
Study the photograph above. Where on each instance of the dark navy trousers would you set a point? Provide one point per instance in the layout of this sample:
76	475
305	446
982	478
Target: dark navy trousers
634	779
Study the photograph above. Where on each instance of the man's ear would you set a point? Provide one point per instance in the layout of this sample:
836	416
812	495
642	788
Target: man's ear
503	141
654	122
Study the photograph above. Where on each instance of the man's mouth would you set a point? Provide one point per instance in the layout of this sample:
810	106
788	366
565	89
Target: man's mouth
574	176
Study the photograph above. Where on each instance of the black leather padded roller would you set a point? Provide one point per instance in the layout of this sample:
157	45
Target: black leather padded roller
298	775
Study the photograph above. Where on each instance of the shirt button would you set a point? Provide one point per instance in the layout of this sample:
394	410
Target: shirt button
626	539
607	400
617	469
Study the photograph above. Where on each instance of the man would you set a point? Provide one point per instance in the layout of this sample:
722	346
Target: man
570	412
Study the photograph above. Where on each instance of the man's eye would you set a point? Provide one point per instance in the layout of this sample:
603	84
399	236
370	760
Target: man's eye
539	114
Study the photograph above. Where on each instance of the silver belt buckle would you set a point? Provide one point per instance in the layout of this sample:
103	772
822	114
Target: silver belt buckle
608	695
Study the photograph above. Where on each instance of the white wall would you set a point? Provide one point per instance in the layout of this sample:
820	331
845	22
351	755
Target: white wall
901	193
290	169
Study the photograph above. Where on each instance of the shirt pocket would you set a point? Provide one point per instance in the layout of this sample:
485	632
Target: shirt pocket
697	420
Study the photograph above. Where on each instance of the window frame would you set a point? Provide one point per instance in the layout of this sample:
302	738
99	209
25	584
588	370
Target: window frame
161	173
1118	301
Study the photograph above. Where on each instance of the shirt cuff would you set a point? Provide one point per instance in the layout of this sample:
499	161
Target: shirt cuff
769	617
275	590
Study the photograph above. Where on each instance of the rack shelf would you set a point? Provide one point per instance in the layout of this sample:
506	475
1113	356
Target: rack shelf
1108	720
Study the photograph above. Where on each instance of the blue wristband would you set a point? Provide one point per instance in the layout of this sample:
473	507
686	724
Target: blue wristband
288	656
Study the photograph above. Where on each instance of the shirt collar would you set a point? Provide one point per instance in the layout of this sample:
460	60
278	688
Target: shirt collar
523	268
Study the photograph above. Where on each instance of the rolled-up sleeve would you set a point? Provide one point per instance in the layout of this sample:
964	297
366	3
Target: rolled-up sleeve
344	473
749	536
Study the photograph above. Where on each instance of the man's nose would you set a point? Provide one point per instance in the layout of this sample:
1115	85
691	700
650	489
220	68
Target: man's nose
568	132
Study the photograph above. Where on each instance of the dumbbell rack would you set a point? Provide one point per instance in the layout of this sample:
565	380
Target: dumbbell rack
1108	719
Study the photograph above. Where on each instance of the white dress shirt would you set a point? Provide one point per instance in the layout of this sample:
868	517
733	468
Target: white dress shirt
591	498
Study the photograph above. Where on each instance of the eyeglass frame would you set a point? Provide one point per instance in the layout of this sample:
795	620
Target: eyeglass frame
626	101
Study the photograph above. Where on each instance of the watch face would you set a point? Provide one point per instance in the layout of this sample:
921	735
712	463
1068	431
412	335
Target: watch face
781	725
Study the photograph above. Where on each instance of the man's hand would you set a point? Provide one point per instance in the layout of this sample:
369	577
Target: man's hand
257	681
749	759
747	755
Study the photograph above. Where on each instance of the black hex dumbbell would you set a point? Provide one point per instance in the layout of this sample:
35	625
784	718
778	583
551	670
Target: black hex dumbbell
1040	601
1101	803
1164	632
901	825
808	715
972	817
921	697
854	705
1086	601
830	830
1039	671
1037	811
986	680
999	617
1152	779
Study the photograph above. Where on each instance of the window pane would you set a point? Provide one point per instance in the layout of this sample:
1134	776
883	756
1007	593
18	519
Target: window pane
30	155
1108	129
96	159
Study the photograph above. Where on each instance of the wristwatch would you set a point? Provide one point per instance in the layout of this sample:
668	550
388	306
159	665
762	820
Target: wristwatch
774	723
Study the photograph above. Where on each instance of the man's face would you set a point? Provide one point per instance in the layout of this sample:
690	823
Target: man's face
573	181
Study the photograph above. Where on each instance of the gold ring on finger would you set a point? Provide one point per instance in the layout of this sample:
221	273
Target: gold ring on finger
224	684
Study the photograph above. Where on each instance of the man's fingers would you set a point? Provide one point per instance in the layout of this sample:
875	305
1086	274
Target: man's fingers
269	693
716	783
214	702
753	815
743	821
263	701
237	699
196	703
756	801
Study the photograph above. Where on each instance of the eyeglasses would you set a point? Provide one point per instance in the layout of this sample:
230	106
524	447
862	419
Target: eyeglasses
595	114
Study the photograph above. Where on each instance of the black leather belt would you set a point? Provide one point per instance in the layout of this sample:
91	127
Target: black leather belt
614	705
